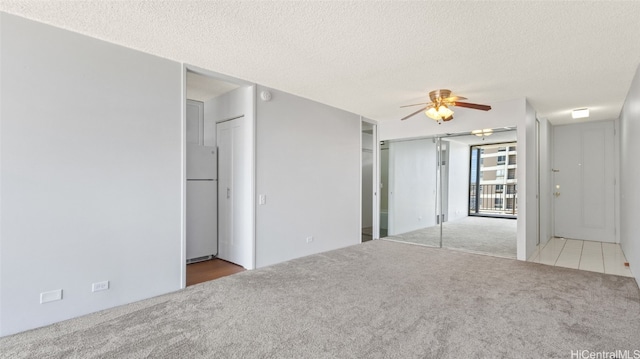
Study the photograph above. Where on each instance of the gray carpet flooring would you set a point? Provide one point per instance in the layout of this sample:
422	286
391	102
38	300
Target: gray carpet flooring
379	299
494	236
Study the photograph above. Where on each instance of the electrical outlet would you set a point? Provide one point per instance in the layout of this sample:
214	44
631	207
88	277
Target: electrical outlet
50	296
98	286
309	239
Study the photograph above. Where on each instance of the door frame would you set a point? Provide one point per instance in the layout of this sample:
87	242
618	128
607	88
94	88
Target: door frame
376	178
251	114
616	176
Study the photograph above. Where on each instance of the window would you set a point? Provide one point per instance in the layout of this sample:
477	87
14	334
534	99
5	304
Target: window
492	180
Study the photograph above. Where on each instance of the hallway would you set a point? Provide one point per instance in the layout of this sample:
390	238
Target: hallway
590	256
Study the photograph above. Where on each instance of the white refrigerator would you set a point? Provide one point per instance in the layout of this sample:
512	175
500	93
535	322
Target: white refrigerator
202	203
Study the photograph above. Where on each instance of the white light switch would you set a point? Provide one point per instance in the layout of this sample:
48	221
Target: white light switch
262	199
50	296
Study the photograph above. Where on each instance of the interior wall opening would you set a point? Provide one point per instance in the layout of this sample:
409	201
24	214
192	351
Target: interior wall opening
582	192
204	251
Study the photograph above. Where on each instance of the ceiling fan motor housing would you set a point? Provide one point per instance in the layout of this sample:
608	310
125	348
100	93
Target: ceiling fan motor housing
439	94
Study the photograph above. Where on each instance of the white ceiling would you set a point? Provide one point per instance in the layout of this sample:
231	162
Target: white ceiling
372	57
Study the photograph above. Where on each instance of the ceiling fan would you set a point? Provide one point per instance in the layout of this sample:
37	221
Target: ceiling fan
441	100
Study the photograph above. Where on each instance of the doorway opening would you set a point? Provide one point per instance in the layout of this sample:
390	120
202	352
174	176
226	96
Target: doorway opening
583	196
209	222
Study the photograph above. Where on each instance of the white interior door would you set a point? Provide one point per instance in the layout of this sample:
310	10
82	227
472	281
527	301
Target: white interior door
584	181
231	152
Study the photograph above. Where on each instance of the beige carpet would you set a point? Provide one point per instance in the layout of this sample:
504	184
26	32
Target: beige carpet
484	235
379	299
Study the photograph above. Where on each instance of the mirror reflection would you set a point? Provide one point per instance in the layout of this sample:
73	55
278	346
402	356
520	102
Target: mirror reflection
455	191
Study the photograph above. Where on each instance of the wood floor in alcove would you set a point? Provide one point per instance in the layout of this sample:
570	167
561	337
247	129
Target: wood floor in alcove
210	270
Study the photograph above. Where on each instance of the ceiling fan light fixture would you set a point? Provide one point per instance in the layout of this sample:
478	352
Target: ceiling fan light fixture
432	113
444	112
580	113
439	114
438	109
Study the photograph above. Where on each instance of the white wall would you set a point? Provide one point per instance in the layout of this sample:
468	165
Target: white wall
527	175
233	104
629	175
546	185
458	180
92	174
308	166
412	185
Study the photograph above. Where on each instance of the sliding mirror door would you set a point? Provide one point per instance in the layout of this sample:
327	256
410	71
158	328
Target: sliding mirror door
456	191
480	192
412	191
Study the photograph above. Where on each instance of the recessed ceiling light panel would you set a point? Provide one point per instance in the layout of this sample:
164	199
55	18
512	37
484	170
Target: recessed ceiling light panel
580	113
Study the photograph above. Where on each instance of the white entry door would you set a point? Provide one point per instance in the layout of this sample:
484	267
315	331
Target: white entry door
584	181
234	243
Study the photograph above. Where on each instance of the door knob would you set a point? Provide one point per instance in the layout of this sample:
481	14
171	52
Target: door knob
557	194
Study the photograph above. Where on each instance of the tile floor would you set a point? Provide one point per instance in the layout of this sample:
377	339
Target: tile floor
584	255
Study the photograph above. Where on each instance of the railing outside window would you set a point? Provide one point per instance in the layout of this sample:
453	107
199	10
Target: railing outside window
487	199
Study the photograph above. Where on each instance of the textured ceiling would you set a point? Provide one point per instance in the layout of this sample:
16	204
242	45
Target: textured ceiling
372	57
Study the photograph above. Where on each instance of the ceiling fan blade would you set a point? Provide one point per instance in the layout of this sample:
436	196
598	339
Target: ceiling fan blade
474	106
416	104
454	98
415	113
